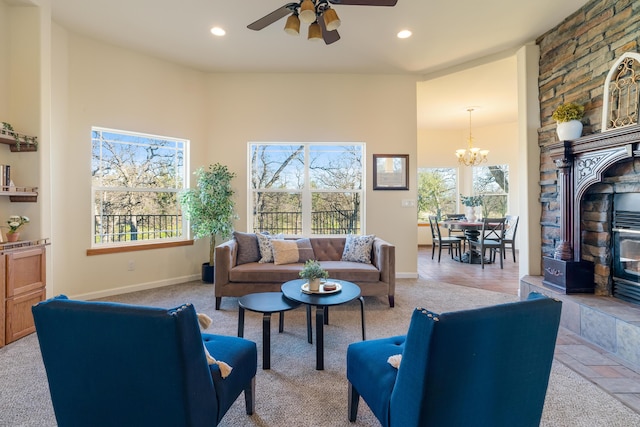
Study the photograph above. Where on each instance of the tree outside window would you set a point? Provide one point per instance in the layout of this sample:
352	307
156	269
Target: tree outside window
307	189
492	184
437	192
135	183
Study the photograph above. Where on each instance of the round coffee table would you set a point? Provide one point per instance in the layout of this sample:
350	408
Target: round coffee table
265	303
349	292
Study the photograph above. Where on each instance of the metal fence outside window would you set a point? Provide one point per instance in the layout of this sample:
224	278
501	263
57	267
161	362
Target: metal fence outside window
322	222
125	228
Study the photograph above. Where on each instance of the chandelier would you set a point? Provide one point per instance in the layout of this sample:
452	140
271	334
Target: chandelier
310	12
471	156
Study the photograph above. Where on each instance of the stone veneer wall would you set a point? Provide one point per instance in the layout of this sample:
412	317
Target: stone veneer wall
575	58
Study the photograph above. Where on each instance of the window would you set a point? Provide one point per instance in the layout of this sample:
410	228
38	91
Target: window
437	192
492	183
306	189
135	183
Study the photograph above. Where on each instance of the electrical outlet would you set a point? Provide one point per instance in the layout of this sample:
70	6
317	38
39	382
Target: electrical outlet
131	265
408	203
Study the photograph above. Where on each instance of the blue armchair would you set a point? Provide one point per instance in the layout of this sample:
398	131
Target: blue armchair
483	367
112	364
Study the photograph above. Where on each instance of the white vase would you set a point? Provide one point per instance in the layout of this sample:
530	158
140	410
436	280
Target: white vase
568	131
478	212
470	214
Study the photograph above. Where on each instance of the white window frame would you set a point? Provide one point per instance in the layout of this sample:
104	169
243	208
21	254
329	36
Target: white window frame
306	192
184	233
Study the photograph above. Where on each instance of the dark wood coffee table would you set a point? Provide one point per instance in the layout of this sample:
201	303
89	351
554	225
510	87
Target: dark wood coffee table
350	291
265	303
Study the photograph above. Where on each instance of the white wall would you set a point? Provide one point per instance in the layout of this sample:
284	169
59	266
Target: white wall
377	110
95	84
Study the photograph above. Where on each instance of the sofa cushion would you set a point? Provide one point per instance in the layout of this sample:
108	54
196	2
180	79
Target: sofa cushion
274	273
358	248
266	250
305	250
248	250
284	251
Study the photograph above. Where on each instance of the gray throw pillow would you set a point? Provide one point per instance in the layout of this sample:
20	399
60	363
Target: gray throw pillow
358	248
305	250
248	250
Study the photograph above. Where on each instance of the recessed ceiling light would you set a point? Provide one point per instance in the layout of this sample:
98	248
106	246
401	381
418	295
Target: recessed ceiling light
404	34
217	31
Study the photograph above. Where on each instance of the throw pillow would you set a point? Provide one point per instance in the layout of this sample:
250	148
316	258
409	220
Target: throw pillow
284	251
248	250
266	250
358	248
305	250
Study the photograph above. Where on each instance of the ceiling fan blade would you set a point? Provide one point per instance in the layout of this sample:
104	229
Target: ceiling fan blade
328	36
365	2
270	18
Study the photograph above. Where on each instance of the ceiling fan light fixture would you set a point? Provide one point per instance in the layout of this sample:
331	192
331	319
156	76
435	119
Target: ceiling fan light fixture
307	11
331	20
315	32
292	26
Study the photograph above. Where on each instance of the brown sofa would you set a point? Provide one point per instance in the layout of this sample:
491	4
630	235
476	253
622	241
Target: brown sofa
377	278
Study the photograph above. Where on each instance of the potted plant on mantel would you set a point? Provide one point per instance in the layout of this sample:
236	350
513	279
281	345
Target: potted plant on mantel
314	273
211	209
568	124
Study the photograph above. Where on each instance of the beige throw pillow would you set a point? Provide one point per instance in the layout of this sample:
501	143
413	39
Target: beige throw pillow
284	251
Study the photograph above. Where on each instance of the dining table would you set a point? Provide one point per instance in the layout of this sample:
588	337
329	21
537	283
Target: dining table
472	230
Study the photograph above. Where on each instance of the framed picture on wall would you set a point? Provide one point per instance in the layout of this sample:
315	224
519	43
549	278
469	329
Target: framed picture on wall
390	171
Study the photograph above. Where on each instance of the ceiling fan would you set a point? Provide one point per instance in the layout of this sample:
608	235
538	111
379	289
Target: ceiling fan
322	19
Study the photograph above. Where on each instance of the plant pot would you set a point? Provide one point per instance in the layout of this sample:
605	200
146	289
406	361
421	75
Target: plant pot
13	237
568	131
314	285
208	272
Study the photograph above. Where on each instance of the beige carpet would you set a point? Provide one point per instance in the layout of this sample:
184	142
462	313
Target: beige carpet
293	392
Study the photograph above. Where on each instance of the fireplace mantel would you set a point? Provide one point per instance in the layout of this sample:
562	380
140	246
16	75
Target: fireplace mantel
580	164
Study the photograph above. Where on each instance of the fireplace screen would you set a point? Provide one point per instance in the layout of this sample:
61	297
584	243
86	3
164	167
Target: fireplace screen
626	252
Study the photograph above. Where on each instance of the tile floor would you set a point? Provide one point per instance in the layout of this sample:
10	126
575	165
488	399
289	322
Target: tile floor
592	362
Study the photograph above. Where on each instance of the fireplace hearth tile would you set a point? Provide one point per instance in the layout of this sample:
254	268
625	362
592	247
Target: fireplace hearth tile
606	322
598	328
629	341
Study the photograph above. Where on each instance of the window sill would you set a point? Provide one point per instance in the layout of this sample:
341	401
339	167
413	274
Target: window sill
140	247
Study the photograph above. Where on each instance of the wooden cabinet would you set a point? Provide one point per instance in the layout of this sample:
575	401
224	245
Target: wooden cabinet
22	272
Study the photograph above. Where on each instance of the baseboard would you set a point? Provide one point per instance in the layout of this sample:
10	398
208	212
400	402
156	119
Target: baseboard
406	275
135	288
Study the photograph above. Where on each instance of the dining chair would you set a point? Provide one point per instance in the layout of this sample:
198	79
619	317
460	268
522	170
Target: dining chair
511	227
111	364
452	243
487	366
457	232
492	238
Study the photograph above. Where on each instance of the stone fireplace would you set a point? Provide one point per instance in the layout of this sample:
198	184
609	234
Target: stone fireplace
593	173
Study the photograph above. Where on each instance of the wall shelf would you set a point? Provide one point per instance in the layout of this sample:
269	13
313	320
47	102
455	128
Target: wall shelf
20	194
25	147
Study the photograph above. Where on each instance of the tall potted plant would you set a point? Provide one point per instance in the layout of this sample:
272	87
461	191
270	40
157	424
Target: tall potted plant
211	209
